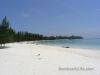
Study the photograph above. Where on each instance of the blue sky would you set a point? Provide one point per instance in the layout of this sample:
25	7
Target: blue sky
53	17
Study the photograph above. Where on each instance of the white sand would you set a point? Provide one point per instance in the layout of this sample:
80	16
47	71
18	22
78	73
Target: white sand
31	59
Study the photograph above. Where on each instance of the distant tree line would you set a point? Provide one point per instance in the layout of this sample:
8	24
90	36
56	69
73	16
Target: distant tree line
62	37
26	36
7	34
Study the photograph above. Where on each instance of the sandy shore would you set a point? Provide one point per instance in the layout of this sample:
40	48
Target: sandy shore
32	59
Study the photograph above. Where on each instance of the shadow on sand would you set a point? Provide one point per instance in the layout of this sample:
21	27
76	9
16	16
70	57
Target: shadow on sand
4	47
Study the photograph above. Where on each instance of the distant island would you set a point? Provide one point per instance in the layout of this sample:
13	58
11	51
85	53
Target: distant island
63	37
7	34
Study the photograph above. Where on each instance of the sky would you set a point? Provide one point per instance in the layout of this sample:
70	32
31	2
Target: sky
53	17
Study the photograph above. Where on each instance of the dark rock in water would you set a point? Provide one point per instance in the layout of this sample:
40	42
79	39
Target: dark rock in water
67	47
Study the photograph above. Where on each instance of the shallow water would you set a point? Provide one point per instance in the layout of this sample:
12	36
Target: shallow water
76	43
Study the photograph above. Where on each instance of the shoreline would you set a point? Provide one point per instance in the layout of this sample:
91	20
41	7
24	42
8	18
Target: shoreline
80	51
31	59
92	44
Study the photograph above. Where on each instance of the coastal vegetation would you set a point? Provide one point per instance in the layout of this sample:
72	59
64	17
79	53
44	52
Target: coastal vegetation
62	37
8	34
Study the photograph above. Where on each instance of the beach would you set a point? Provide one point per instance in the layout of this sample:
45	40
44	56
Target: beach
36	59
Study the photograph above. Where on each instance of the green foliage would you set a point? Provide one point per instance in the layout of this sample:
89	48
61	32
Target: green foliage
25	36
6	34
62	37
5	23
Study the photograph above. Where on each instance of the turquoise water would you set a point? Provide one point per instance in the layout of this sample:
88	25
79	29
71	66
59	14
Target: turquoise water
76	43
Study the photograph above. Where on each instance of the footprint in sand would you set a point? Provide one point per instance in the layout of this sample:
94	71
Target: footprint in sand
38	55
39	58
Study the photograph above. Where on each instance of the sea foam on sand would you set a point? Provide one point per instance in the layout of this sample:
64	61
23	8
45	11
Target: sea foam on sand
31	59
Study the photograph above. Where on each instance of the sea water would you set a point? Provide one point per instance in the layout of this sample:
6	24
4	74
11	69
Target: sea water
74	43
